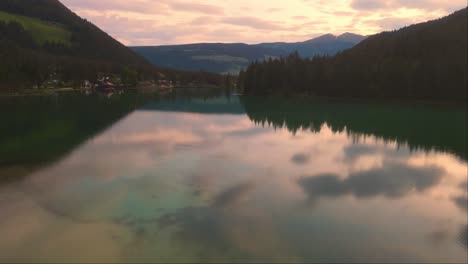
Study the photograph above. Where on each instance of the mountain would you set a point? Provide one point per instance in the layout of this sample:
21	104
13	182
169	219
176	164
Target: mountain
352	38
84	38
324	45
426	61
210	57
231	58
42	40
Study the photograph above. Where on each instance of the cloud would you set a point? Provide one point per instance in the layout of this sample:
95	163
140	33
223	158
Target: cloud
438	237
463	237
464	186
450	6
225	234
252	22
342	13
201	225
461	202
248	132
393	180
355	151
300	17
370	5
204	20
274	9
145	6
137	6
158	22
300	158
390	23
233	195
312	24
195	7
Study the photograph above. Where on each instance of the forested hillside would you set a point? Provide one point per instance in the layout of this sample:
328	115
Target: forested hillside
87	40
211	57
427	61
42	40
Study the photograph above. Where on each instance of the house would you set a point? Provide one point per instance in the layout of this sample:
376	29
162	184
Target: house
165	84
105	87
87	85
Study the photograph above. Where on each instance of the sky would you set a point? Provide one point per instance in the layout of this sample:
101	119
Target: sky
162	22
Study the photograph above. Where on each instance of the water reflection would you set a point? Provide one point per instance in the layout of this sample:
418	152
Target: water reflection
462	203
247	180
464	236
392	180
419	127
36	131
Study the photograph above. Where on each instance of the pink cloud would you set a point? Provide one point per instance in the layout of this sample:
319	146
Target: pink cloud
138	6
195	7
274	9
145	6
253	22
204	20
156	22
451	5
300	17
390	23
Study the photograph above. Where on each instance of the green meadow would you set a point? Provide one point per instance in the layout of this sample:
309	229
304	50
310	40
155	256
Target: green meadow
41	31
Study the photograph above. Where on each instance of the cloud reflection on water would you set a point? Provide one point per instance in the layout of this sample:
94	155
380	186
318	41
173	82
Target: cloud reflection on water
186	186
392	181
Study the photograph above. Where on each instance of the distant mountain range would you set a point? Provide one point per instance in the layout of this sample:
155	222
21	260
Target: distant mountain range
231	58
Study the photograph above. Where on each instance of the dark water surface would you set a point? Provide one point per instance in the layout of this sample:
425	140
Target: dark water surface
230	179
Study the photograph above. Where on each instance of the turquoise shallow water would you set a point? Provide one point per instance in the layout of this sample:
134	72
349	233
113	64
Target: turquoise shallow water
229	179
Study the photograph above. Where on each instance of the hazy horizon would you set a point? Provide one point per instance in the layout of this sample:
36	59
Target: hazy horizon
255	43
168	22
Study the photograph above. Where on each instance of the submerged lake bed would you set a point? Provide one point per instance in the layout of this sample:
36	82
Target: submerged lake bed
231	179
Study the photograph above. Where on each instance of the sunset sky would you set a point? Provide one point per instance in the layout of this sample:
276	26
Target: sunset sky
159	22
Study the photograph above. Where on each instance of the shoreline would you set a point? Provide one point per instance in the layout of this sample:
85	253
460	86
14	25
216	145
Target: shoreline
39	92
380	101
304	97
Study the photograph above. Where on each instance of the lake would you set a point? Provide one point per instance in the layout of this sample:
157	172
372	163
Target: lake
223	178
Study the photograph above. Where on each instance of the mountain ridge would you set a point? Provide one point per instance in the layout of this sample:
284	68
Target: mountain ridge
231	57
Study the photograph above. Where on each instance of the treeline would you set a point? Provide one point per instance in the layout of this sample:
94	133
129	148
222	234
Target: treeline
31	123
91	52
405	125
427	61
26	63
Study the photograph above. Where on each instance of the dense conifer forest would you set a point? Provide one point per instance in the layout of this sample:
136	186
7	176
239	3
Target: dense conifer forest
427	61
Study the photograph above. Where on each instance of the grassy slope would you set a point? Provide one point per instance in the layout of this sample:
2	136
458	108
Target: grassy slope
41	31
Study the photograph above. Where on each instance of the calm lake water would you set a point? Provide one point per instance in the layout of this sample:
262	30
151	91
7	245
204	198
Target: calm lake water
230	179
